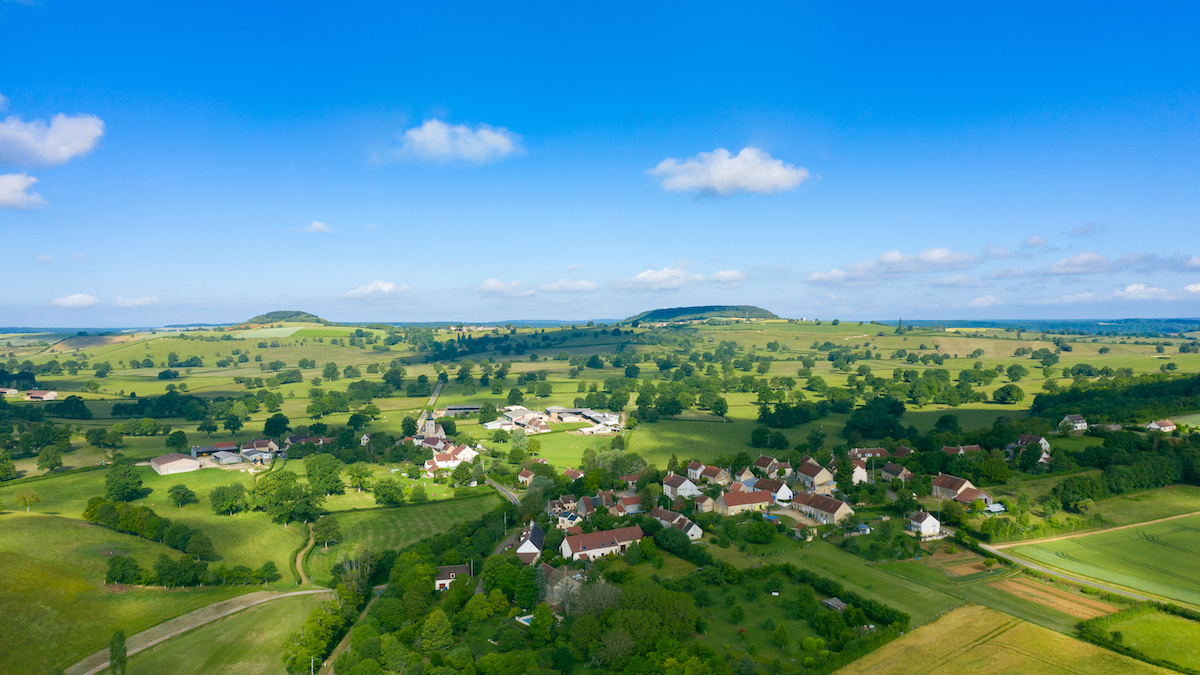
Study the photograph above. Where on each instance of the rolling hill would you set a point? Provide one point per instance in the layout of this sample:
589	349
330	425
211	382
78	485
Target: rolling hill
286	315
702	312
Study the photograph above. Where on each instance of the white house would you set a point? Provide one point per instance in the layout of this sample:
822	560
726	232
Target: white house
448	573
678	521
525	476
1073	423
530	548
778	489
1165	426
676	486
924	524
694	470
594	545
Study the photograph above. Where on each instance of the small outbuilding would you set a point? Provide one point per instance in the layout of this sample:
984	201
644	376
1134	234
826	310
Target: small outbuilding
223	457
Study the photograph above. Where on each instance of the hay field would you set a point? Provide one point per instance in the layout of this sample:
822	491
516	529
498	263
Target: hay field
985	642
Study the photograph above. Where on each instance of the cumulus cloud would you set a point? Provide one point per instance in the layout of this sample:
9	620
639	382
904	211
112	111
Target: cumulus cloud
1192	288
1035	241
317	227
376	289
1143	292
985	301
75	301
720	172
41	143
436	141
728	278
671	278
955	281
497	288
15	194
893	264
568	286
136	303
1089	262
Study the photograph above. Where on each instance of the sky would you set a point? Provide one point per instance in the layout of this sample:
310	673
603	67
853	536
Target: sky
192	162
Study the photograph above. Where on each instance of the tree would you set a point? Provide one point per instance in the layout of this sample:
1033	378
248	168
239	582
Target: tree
462	474
673	463
27	497
781	636
324	473
327	530
50	458
232	423
177	441
181	495
515	396
122	482
720	406
276	425
417	494
200	547
360	474
227	499
1016	372
541	624
207	427
388	491
117	655
736	614
408	427
436	634
1009	393
330	372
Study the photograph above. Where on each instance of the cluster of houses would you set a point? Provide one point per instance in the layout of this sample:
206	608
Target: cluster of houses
515	417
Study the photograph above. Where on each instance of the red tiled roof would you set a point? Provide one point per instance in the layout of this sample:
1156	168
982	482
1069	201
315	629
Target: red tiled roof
603	539
820	502
743	498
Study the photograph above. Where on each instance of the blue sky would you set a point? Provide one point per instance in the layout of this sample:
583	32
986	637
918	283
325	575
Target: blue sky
186	162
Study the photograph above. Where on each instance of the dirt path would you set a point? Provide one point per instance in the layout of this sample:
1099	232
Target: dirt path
1010	544
166	630
300	556
327	665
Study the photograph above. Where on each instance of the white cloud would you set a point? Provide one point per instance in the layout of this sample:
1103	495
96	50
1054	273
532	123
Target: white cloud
1083	263
1034	241
495	287
1083	230
728	278
436	141
317	227
985	301
14	192
75	301
45	259
720	172
135	303
994	251
568	286
893	264
377	289
1192	288
1143	292
956	281
45	144
671	278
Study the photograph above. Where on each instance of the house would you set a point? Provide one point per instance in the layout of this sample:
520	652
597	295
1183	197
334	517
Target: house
1026	440
891	472
259	450
868	453
678	521
525	476
704	504
222	457
778	489
902	452
969	495
530	548
858	472
815	477
595	545
1165	426
565	520
293	440
573	474
960	449
694	470
744	475
626	506
769	466
446	575
924	524
1073	423
733	503
449	458
946	486
174	462
823	509
676	486
631	480
41	395
560	586
715	475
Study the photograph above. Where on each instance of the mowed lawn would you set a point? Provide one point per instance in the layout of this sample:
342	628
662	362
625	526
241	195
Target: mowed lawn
1160	559
394	528
247	643
52	594
985	642
1163	636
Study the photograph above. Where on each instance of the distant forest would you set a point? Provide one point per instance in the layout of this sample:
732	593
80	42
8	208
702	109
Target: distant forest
702	312
1140	327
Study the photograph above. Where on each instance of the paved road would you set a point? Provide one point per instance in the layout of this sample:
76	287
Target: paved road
166	630
508	494
436	390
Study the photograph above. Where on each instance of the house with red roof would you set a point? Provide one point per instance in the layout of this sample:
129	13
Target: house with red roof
595	545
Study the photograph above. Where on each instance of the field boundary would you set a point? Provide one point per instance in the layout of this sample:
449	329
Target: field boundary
170	628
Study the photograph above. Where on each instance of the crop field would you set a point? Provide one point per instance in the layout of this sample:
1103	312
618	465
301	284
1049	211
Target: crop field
1075	604
383	529
1159	558
985	642
1163	636
246	643
52	593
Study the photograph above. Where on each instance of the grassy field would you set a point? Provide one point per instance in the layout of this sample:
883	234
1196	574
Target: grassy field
52	592
1140	507
1159	559
383	529
984	642
1163	636
246	643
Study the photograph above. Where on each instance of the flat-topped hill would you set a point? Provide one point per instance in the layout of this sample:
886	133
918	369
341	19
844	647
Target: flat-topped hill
703	312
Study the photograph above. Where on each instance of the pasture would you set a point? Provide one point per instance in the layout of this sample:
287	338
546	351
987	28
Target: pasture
1158	558
985	642
1162	636
245	643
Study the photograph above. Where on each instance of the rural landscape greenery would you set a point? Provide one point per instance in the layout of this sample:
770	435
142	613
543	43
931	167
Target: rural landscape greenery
1089	560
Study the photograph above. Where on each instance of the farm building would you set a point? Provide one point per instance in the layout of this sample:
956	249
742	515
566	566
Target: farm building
1165	426
41	395
5	392
223	457
173	463
466	409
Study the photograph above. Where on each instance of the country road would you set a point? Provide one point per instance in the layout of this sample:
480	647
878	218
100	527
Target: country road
509	494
